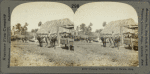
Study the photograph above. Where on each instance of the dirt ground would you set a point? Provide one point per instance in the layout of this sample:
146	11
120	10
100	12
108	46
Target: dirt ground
84	54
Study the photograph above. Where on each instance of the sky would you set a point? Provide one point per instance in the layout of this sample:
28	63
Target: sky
99	12
95	13
34	12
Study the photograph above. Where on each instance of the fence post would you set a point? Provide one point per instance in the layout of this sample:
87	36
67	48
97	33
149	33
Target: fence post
58	38
121	34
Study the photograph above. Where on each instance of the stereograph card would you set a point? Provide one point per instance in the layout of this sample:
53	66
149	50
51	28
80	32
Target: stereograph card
90	36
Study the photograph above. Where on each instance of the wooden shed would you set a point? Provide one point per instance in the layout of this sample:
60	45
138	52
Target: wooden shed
118	27
56	27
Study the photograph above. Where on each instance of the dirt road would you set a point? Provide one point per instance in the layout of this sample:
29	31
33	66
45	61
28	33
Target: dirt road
84	54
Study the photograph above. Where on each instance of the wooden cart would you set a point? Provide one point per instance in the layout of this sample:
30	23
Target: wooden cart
131	39
67	42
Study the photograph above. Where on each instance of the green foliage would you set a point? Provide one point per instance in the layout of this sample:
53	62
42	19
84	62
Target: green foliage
40	23
104	24
18	27
34	30
22	29
86	29
98	30
82	27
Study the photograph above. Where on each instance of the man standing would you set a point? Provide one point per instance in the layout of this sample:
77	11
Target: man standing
112	38
103	40
53	40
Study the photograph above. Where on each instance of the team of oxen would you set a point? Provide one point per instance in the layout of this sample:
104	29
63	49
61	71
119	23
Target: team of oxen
52	39
48	39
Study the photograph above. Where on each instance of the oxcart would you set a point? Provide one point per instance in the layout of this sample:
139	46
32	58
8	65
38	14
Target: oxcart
68	42
131	39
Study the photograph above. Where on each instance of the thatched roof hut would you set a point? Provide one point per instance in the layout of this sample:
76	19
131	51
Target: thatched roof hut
114	26
51	26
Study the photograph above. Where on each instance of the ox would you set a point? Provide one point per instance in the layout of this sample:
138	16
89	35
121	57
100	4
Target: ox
47	39
112	40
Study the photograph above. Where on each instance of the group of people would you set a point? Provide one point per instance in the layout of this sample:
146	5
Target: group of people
113	40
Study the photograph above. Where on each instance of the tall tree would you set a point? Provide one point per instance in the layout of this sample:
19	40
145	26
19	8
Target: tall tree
26	24
18	27
24	29
32	30
91	24
89	28
36	30
82	27
98	30
104	24
40	23
86	30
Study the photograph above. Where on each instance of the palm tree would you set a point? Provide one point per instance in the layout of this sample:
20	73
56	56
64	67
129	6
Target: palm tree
24	29
18	27
98	31
40	23
104	24
89	29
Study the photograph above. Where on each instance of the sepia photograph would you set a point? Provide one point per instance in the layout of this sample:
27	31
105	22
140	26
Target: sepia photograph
96	34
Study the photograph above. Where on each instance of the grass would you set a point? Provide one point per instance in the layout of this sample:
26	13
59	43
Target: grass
85	54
